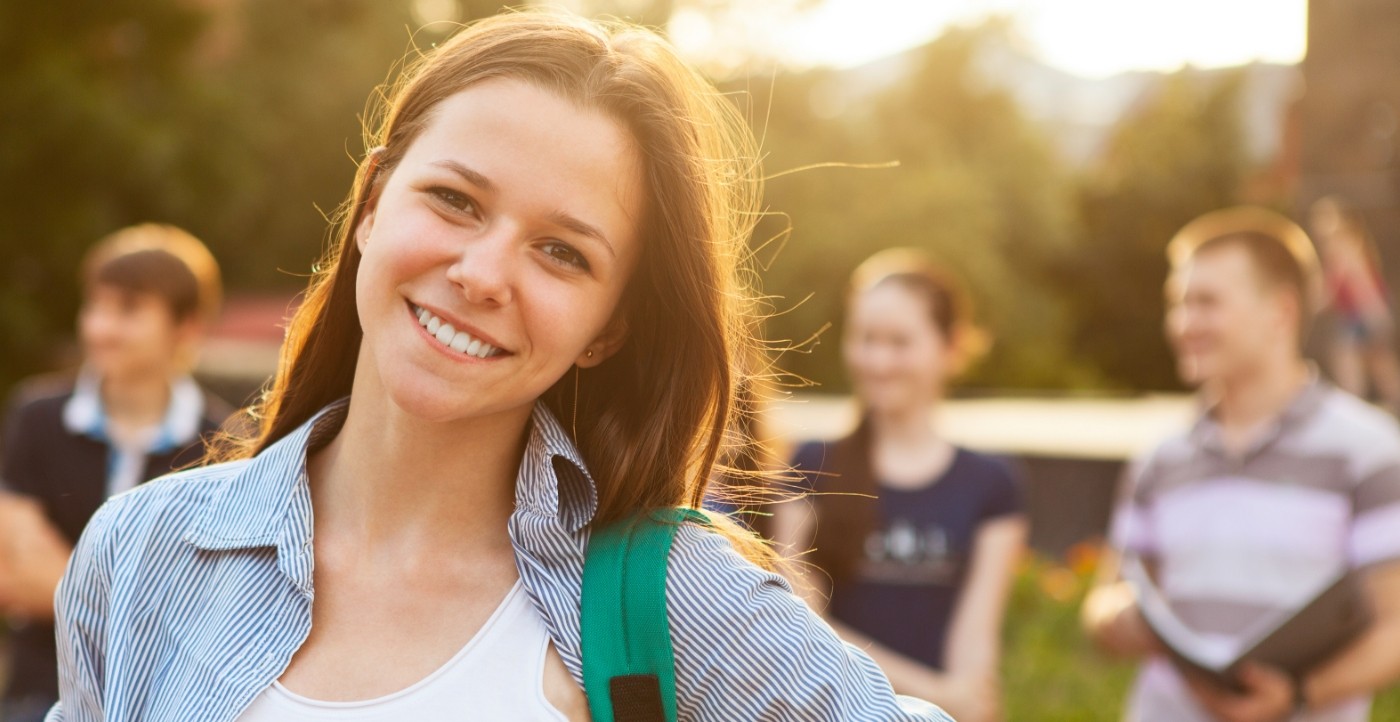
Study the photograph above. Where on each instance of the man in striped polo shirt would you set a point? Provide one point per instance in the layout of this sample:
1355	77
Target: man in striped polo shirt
1283	483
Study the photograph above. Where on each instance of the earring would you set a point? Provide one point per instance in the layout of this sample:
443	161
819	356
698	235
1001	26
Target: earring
574	424
589	354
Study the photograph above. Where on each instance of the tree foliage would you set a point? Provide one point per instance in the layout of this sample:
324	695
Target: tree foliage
99	128
242	122
239	121
976	186
1180	154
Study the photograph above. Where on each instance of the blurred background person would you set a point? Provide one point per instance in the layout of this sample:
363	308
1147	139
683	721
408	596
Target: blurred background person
1282	483
133	413
1361	355
920	538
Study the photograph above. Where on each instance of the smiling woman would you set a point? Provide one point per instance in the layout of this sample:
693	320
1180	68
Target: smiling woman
469	241
529	328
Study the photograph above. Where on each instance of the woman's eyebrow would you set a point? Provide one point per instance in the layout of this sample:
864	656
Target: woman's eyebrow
558	218
468	174
565	220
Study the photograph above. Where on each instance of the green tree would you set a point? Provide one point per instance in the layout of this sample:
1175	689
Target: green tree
301	80
239	121
98	129
977	186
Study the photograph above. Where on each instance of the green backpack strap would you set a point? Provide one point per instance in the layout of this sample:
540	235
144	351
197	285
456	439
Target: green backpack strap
629	672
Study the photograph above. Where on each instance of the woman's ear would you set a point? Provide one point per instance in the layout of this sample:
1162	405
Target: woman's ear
373	182
607	344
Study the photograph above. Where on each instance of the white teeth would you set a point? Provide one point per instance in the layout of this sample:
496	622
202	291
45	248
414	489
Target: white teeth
459	341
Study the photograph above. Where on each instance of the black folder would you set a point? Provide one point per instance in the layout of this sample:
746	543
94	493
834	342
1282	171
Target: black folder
1294	642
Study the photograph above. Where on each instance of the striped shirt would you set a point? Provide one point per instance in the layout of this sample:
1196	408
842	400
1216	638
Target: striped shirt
1239	536
188	596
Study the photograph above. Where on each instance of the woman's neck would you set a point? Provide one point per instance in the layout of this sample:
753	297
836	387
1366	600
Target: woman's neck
390	483
913	425
907	451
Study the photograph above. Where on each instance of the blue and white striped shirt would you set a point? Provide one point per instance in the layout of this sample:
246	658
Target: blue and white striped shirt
188	596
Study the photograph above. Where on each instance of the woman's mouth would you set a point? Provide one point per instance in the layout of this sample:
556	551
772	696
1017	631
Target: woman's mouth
458	341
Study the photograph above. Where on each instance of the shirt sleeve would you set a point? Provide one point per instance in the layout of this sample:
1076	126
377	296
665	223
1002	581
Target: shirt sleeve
80	623
1006	492
1130	530
1375	525
747	648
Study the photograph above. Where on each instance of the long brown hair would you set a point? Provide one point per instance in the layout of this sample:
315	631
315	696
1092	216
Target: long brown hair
651	420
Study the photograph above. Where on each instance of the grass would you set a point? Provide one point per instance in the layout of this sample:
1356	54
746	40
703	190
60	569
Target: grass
1051	673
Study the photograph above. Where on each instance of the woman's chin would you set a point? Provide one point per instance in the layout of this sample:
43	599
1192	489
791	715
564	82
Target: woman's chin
430	402
888	408
445	404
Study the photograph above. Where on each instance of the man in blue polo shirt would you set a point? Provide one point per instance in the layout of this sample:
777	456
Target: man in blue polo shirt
133	414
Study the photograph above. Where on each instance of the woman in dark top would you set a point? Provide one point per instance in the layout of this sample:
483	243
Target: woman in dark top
919	575
133	414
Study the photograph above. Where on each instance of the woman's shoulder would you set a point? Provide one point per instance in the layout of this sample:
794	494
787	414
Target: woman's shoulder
987	465
810	455
747	647
819	454
703	558
999	480
170	504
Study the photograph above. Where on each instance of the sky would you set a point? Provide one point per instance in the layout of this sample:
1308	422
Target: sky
1093	38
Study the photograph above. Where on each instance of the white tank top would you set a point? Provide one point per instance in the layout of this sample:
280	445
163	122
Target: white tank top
499	675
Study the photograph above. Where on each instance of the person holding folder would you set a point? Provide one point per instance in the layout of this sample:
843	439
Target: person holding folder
1283	484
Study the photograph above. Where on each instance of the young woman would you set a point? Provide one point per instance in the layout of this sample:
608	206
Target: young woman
133	414
525	330
919	573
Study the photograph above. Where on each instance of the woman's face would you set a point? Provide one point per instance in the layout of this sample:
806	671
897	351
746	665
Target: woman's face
896	356
496	251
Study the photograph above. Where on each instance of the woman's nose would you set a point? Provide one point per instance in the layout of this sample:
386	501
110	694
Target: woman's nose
485	269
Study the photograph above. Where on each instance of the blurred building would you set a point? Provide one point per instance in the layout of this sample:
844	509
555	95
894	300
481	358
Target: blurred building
1349	116
240	352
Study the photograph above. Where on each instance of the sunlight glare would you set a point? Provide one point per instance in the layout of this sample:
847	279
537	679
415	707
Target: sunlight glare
1087	37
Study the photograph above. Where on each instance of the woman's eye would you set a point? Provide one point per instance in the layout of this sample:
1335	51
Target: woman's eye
452	199
565	254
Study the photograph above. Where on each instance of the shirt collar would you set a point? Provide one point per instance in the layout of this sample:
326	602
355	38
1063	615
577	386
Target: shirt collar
249	508
1207	434
553	479
268	502
84	415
